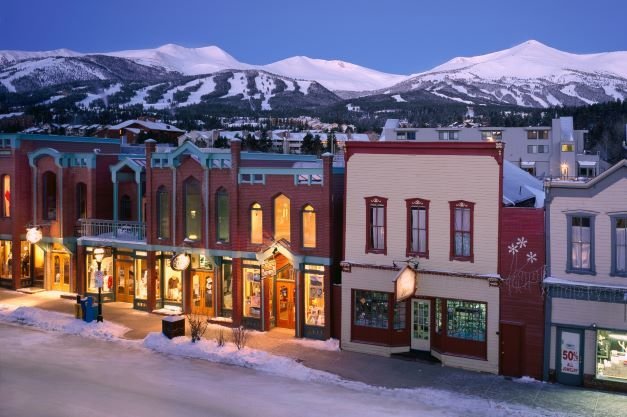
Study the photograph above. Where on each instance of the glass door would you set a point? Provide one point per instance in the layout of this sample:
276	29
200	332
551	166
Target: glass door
569	356
287	307
61	272
202	293
420	328
125	275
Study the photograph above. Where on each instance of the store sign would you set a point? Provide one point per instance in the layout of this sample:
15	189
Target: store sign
570	353
405	284
99	279
268	268
180	262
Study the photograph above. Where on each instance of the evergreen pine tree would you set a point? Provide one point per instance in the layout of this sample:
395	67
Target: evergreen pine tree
265	143
306	146
221	142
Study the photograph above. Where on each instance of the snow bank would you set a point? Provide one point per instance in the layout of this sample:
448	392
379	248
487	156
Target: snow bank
60	322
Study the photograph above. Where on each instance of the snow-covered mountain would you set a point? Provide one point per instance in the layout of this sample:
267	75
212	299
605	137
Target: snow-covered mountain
530	74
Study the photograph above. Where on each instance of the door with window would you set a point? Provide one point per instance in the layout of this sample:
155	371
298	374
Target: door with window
420	325
125	276
61	272
569	361
287	307
202	293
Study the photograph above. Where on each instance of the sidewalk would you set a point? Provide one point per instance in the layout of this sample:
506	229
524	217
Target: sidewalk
374	370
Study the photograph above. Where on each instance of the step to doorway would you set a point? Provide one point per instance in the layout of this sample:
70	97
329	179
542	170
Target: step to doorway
416	356
30	290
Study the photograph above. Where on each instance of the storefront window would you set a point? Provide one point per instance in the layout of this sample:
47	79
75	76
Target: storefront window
6	196
252	292
6	259
371	309
400	310
106	266
173	283
466	320
314	295
141	279
612	355
227	288
309	227
25	258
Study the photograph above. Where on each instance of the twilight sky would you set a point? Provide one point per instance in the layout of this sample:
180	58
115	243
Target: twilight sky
395	36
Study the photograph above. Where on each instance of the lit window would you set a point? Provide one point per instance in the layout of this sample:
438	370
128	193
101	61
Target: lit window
309	227
256	224
6	196
491	135
192	208
282	218
567	147
314	298
371	309
466	320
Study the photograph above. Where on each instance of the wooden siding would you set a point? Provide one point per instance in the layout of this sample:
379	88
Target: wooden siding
399	177
610	200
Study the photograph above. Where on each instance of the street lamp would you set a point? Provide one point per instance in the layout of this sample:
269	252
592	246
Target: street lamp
99	255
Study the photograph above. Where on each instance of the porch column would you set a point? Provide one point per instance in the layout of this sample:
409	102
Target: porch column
81	274
236	289
138	182
151	302
300	301
16	263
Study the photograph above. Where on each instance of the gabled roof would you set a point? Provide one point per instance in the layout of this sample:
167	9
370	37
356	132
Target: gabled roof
147	125
520	186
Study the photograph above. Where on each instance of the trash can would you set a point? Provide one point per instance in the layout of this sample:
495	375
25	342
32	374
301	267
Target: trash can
89	309
173	326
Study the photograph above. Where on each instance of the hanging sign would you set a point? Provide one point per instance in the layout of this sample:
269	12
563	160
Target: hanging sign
268	268
405	284
33	235
180	262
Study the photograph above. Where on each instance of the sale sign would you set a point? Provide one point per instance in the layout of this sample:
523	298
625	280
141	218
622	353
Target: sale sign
570	353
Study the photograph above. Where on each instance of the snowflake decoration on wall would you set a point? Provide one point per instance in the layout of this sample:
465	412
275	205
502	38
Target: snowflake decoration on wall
532	257
521	242
513	249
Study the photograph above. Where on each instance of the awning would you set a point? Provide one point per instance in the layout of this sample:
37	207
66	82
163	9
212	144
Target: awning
587	163
527	164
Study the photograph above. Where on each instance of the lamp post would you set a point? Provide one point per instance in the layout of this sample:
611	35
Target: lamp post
99	255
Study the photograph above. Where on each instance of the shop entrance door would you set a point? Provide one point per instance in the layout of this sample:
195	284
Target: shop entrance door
38	260
125	278
287	308
511	349
569	361
420	325
61	272
202	294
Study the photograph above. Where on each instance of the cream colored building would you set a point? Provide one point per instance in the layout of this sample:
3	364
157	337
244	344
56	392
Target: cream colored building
434	207
586	285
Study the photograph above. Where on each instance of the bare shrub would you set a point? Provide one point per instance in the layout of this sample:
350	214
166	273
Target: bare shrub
197	326
221	338
240	336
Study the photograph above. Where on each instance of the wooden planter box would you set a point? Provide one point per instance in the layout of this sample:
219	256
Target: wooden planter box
173	326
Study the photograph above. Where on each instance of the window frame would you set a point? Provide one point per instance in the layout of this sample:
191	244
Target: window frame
125	210
613	239
313	212
221	194
163	228
256	208
46	205
569	247
370	202
3	193
186	226
462	204
417	203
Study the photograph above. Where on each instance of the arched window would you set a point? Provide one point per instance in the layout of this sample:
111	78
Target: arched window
192	208
282	218
5	187
256	224
222	211
163	213
49	181
309	227
81	200
125	208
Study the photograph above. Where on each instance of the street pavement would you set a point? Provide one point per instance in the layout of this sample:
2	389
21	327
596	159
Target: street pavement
374	370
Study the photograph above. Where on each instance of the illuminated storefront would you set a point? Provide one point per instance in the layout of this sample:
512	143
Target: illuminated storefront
611	355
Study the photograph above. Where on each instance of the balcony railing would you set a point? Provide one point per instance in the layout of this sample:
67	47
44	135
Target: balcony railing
109	229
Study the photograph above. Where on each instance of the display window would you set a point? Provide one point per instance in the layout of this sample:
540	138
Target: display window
25	258
314	295
612	355
173	283
227	287
106	266
141	279
371	309
6	259
252	292
466	320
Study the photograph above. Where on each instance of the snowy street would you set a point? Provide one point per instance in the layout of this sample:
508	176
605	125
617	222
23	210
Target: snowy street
52	374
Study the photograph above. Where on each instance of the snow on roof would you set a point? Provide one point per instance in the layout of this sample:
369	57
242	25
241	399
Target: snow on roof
587	163
391	123
148	125
519	186
561	281
9	115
